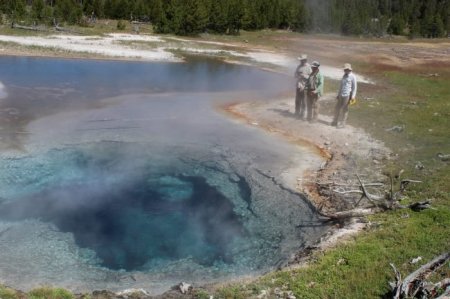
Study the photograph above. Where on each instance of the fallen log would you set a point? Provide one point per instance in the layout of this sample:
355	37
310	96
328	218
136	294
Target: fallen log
413	281
347	214
16	26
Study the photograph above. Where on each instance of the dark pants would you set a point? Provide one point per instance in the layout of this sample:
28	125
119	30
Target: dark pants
300	103
313	106
341	110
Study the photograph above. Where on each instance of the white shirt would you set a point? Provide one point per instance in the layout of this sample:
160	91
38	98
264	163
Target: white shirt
348	85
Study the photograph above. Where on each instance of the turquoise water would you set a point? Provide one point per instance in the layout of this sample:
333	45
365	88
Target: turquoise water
111	170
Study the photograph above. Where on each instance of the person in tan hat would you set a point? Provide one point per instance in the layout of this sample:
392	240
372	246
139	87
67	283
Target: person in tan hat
347	92
314	88
301	74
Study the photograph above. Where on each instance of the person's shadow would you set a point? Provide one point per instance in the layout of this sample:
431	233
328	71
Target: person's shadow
289	114
284	112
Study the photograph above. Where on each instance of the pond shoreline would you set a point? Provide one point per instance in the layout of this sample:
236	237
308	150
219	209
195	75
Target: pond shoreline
255	114
333	145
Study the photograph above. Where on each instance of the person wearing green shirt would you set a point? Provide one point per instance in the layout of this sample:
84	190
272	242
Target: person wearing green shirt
314	88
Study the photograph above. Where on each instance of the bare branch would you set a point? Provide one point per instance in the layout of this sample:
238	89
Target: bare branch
398	282
420	274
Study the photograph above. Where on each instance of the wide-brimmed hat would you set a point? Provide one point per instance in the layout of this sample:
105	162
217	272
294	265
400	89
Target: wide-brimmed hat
315	64
348	66
303	57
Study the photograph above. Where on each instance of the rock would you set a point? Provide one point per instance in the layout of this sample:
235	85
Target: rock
185	288
397	129
419	165
290	295
133	293
262	295
415	260
311	284
104	295
443	157
342	261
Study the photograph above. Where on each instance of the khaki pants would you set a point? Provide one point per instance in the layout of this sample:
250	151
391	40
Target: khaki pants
300	103
341	110
313	106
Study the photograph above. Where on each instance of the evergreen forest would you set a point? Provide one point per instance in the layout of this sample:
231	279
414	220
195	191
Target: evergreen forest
414	18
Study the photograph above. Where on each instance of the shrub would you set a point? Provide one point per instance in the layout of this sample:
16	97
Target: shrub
121	25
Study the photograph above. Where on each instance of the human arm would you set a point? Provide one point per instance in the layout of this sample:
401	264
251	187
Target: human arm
354	87
320	83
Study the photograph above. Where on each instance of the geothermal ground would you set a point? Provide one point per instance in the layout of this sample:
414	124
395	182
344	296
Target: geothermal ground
352	149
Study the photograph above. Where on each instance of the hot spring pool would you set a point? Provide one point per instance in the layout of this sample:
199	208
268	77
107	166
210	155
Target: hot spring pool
117	174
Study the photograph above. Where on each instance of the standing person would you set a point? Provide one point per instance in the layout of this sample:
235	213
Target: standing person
346	93
301	74
314	89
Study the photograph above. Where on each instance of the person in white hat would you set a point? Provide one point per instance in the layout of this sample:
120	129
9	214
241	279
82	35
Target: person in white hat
347	92
301	74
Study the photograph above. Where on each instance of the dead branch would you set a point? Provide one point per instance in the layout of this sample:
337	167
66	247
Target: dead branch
396	287
347	214
413	281
381	203
419	206
16	26
347	192
405	183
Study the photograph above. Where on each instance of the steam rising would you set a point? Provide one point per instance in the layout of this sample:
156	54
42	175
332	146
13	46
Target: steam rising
149	178
3	93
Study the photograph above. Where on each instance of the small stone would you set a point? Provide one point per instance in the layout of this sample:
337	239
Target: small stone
311	284
342	261
443	157
133	293
262	295
277	291
184	287
290	295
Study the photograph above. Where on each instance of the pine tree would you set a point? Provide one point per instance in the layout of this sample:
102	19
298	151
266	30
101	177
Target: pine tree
68	11
437	27
37	10
15	9
218	16
397	25
235	16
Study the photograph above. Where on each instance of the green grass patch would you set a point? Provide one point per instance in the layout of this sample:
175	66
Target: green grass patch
360	268
7	293
50	293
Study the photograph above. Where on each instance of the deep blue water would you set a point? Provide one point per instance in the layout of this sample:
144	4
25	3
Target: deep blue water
152	183
136	222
